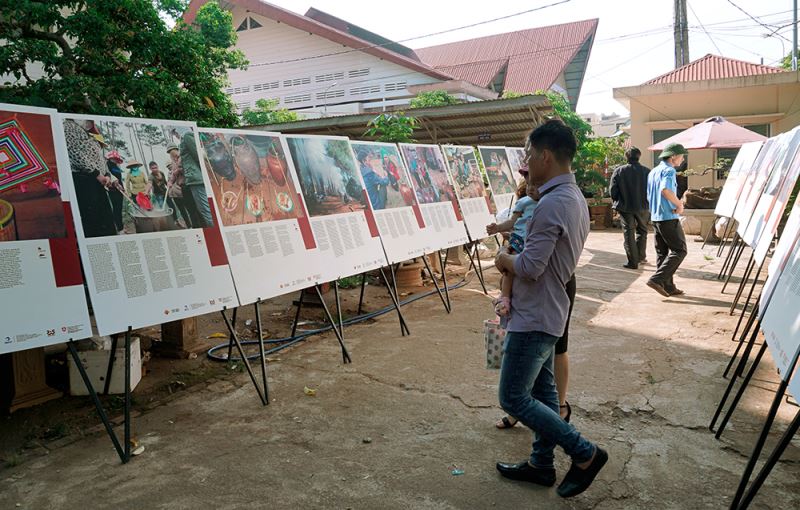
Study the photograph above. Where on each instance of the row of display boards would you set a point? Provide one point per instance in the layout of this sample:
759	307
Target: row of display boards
756	194
173	221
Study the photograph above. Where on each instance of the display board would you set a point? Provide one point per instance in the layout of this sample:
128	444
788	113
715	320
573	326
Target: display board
780	256
468	182
397	212
781	322
147	226
763	204
771	206
757	179
501	175
737	175
444	224
41	286
271	248
342	220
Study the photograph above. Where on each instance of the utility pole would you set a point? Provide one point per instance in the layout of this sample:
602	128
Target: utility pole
794	38
681	34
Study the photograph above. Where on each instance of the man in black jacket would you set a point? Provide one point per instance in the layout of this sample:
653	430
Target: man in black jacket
629	193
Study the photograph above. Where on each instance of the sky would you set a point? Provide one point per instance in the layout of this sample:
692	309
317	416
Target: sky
634	40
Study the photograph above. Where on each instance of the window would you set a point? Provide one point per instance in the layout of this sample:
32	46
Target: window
328	77
330	95
299	98
357	72
296	81
254	24
360	91
266	86
243	26
248	24
391	87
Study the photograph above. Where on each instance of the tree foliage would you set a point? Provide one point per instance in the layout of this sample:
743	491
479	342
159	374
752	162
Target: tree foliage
265	113
433	98
393	128
119	58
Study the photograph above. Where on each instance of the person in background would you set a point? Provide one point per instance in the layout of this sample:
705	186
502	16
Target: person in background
137	181
392	172
373	182
553	243
194	189
175	185
665	211
113	162
629	192
158	183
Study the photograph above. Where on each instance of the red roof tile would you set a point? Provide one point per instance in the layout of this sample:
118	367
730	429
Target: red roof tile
712	67
535	57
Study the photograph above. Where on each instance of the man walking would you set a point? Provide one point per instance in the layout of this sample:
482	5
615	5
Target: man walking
554	240
629	192
665	209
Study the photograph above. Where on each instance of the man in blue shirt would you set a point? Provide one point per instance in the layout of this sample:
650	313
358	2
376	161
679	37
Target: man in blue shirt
372	182
665	209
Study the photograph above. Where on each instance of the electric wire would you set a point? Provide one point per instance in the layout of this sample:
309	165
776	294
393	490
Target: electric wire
704	28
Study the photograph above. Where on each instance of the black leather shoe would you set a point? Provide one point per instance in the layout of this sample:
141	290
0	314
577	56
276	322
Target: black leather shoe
578	480
527	473
629	266
658	288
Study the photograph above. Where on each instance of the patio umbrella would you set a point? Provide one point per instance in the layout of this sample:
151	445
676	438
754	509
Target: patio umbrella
712	133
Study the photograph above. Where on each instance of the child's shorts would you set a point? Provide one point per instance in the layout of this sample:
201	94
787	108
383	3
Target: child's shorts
516	243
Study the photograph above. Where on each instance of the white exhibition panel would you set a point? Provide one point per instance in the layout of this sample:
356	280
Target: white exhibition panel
343	223
780	256
160	269
756	180
741	167
392	198
502	174
444	225
762	222
271	248
41	286
468	183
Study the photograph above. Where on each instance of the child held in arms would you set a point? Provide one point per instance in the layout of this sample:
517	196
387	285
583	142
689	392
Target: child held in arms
517	224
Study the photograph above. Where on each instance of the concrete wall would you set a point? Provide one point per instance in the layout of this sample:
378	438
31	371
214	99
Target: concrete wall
769	99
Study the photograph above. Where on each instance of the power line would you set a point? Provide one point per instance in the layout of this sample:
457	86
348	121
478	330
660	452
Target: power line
757	20
704	28
472	25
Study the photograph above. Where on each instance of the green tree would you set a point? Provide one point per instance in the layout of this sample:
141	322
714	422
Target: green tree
786	62
265	113
120	58
433	98
392	128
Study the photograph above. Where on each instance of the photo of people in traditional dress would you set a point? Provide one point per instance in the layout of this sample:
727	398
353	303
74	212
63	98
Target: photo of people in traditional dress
328	175
134	177
465	171
30	192
498	170
250	177
516	159
384	176
428	173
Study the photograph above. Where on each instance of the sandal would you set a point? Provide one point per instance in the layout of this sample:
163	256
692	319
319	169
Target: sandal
569	411
506	423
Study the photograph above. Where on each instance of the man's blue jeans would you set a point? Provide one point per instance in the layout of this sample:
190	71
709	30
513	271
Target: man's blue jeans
528	393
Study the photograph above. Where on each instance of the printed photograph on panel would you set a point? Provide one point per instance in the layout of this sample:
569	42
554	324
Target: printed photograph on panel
134	177
516	160
465	171
30	192
250	178
384	177
498	170
327	173
428	174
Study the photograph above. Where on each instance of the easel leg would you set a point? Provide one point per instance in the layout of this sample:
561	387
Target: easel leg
732	268
435	283
261	350
750	321
771	461
741	317
752	288
127	426
751	263
476	265
733	247
361	294
403	326
740	392
97	404
112	358
338	305
246	362
297	315
443	265
230	338
345	354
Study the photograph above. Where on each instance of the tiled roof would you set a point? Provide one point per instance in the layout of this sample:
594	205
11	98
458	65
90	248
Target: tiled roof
535	57
712	67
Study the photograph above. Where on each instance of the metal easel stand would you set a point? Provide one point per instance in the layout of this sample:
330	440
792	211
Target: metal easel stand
475	263
234	338
338	328
733	248
123	450
762	438
443	266
733	265
746	331
751	264
393	295
725	237
435	283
